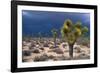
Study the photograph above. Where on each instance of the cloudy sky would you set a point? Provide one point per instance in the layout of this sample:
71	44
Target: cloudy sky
34	22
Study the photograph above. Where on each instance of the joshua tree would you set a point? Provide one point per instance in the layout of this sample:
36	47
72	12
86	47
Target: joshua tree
40	36
71	32
54	33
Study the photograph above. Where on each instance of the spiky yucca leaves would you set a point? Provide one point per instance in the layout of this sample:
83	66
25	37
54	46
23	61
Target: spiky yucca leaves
71	32
54	33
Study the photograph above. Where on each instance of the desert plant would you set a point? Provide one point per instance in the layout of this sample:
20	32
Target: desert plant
40	36
54	33
71	32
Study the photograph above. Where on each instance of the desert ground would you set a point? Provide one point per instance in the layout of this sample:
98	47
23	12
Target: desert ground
36	50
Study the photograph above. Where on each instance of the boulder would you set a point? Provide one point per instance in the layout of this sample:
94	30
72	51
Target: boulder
26	53
83	56
58	51
46	45
77	49
43	57
41	48
36	50
64	45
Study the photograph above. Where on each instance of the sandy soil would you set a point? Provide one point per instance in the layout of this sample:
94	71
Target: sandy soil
35	50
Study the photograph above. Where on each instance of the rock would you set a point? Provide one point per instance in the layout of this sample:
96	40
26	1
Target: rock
33	45
24	43
58	43
55	59
43	57
77	49
41	48
41	41
83	56
88	45
51	47
64	45
24	60
25	47
51	56
37	46
58	51
61	58
36	59
35	50
32	48
50	42
54	47
26	53
46	45
28	44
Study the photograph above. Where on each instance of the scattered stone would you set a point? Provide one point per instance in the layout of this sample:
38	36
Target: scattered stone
51	57
54	47
41	48
33	45
26	53
28	44
24	43
24	60
58	51
64	45
25	47
46	45
43	57
36	59
35	50
77	49
83	56
58	43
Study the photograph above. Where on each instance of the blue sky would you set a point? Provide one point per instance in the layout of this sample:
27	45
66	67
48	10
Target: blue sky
34	22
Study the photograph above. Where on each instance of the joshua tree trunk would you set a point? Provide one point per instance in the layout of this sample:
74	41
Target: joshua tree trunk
71	50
